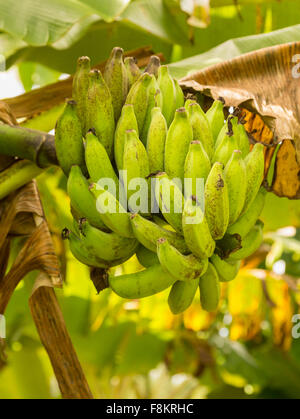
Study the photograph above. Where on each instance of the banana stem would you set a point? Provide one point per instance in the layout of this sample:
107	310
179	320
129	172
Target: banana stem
16	176
36	146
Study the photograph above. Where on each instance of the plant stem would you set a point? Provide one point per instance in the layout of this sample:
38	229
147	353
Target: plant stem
36	146
16	176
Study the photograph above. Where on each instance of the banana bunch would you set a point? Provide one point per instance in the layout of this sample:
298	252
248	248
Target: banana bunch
152	175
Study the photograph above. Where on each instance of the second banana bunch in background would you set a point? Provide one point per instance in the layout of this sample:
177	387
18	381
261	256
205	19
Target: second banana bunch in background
126	121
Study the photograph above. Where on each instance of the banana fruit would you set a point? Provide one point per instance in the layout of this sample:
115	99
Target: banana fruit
151	175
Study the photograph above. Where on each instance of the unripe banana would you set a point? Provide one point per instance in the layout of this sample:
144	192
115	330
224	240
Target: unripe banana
170	200
135	161
236	179
126	122
111	212
179	96
230	128
98	162
225	150
217	202
210	289
215	117
99	111
247	220
81	83
178	140
108	246
81	253
148	233
196	231
250	243
200	125
255	170
168	89
183	268
141	284
82	200
145	257
182	295
227	271
155	100
68	139
156	140
116	78
197	166
138	96
133	71
243	140
153	66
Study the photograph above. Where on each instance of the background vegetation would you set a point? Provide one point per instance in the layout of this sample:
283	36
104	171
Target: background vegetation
138	348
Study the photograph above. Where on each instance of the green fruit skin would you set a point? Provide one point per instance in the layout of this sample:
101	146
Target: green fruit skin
248	219
217	202
215	117
82	200
116	78
255	164
178	140
210	289
250	243
68	140
182	295
226	271
156	141
145	257
141	284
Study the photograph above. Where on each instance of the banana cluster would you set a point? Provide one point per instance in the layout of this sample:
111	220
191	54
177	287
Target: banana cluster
126	121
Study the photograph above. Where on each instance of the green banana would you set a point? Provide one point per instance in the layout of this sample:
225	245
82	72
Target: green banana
141	284
196	231
112	213
98	162
156	140
82	253
153	65
217	202
68	139
108	246
100	111
210	289
250	243
200	125
155	100
148	233
236	179
138	96
116	78
183	268
81	83
215	117
135	164
126	122
133	71
179	96
170	200
247	220
197	167
225	150
243	140
145	257
168	89
182	295
255	163
82	200
230	128
178	140
227	271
